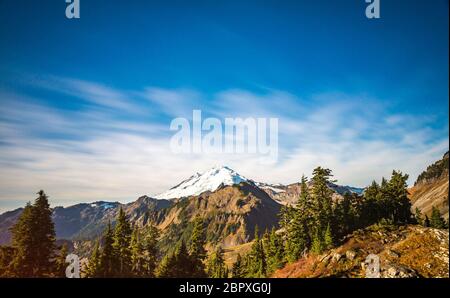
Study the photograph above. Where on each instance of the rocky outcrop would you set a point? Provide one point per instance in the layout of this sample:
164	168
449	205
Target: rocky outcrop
403	252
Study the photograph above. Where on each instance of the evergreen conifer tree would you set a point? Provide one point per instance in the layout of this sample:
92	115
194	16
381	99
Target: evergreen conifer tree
108	258
61	265
238	269
436	220
23	264
137	254
166	267
398	193
418	216
33	238
257	266
215	267
121	245
328	238
44	235
322	198
297	235
317	243
274	252
94	264
197	250
183	261
151	250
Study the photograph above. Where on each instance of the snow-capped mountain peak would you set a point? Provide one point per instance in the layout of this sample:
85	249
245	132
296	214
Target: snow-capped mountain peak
209	180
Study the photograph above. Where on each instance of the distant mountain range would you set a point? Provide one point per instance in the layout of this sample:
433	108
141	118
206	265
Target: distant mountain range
85	221
231	205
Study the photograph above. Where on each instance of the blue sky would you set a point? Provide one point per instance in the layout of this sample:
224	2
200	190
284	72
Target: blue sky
87	103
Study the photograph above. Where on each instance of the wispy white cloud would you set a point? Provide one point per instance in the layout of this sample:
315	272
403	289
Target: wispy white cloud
94	154
175	103
92	92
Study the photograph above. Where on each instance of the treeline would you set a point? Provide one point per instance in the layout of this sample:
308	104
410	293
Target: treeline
124	251
33	252
127	252
318	222
435	170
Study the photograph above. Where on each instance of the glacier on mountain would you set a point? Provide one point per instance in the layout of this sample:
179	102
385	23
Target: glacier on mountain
209	180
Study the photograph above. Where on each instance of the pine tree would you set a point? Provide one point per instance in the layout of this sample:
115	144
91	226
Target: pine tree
23	264
61	265
322	207
373	206
44	235
436	220
274	252
304	201
297	237
137	254
328	238
94	264
215	267
398	191
317	243
108	258
183	261
257	266
34	240
322	198
177	264
197	250
238	269
166	267
350	207
284	217
151	250
418	216
121	244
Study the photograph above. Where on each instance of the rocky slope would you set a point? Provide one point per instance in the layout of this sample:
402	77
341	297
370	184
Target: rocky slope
406	251
431	188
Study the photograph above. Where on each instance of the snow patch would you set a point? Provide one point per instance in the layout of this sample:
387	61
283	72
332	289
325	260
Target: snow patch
104	205
201	182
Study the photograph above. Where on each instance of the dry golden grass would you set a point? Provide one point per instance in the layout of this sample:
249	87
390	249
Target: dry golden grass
423	250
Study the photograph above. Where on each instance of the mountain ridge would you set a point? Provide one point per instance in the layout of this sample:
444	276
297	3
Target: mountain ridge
87	220
431	188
